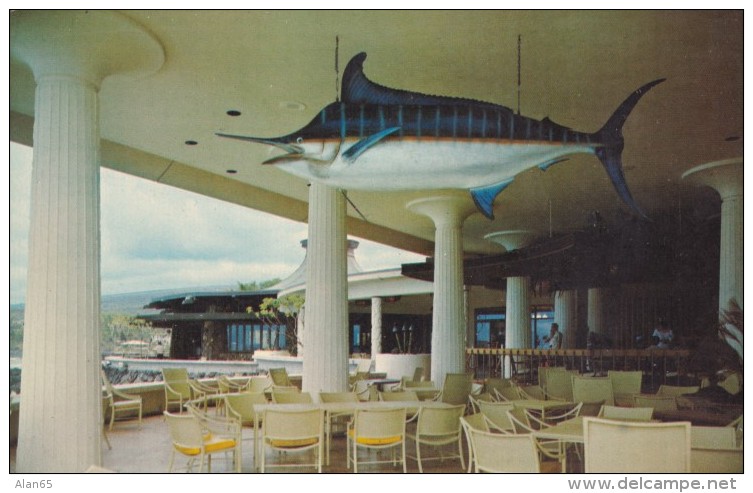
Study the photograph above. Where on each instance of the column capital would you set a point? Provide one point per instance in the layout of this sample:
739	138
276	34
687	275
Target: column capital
512	239
725	176
89	45
444	210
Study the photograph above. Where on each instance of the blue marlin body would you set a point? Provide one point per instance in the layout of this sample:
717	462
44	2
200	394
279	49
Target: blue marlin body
378	138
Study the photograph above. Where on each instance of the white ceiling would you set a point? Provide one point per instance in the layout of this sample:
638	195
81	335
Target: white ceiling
278	69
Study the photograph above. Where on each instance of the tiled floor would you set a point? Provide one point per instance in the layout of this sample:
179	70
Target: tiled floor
147	450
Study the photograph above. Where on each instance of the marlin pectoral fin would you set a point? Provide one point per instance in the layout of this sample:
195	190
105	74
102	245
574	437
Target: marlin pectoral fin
484	197
364	144
287	158
545	166
289	148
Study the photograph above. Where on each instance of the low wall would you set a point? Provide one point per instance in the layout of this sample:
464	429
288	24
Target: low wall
194	367
403	365
265	360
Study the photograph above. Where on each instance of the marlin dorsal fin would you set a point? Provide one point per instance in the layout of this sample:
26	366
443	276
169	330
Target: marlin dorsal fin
358	89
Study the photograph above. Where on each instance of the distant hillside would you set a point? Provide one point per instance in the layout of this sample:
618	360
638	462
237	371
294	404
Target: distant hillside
133	303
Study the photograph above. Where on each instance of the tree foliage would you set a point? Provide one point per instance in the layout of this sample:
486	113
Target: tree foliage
283	311
256	286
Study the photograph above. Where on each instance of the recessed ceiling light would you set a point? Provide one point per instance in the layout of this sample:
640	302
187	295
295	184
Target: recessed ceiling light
231	171
233	112
292	105
732	138
191	143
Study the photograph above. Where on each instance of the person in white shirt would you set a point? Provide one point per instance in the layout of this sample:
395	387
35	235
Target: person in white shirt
663	337
554	340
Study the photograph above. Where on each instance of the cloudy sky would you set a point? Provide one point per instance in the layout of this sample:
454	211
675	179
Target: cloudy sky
159	237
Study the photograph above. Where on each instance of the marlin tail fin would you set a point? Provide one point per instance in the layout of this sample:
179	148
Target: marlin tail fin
610	154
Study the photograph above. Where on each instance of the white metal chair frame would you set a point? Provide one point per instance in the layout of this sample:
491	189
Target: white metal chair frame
437	427
475	421
377	429
293	431
201	436
491	450
120	402
622	446
240	406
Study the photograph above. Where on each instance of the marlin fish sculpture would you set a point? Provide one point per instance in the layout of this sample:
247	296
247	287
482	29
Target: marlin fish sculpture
379	138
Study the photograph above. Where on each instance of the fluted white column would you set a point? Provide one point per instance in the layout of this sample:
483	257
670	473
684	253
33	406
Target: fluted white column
517	295
726	177
566	316
448	324
596	311
518	313
376	326
61	399
325	359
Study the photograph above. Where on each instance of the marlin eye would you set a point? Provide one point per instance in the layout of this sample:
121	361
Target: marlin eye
299	140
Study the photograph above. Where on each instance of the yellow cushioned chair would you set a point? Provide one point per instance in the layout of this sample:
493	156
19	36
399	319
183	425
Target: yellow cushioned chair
376	429
193	440
293	431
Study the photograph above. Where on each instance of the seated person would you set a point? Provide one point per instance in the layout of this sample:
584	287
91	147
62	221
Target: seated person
662	336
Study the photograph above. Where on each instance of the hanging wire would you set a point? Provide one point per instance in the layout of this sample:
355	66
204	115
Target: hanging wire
337	68
518	74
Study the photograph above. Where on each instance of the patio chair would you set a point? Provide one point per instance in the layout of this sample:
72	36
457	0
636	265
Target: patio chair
532	392
227	385
495	383
495	414
657	402
625	384
714	450
473	400
633	447
589	390
626	413
259	384
737	425
497	453
456	388
240	406
675	390
402	396
291	397
507	394
289	431
193	439
280	377
120	403
365	391
526	424
376	429
438	427
177	388
425	389
337	419
475	421
543	373
559	385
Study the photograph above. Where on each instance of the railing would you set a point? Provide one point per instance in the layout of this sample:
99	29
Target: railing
659	366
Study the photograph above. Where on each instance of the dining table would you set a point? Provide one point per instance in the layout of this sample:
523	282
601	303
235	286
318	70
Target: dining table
564	432
542	406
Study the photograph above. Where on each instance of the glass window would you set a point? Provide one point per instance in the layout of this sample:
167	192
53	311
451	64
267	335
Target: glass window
490	327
